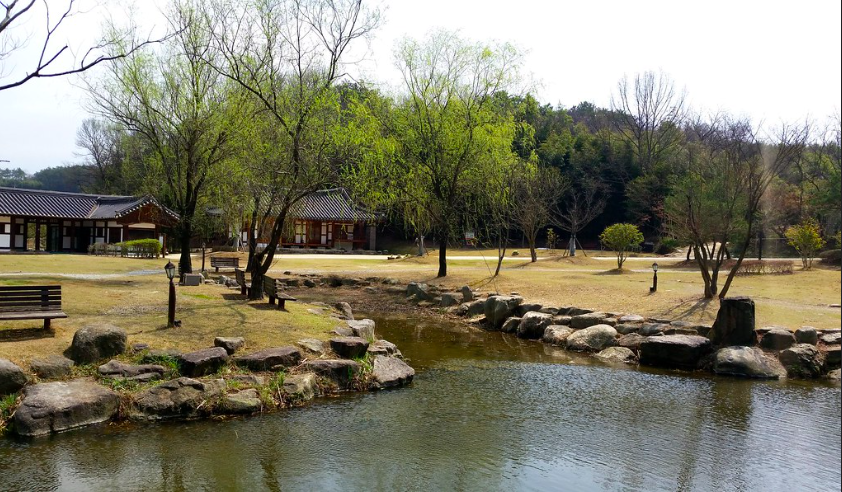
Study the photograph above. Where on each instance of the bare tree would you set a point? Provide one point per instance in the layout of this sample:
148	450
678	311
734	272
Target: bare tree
536	193
53	58
103	148
583	203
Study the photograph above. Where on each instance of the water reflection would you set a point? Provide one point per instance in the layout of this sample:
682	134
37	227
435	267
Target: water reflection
486	412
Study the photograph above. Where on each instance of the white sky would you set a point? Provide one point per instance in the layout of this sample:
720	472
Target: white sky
774	61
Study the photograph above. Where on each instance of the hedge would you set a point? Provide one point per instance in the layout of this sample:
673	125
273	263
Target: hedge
139	248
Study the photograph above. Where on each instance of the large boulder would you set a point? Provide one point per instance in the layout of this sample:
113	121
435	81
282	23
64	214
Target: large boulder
418	291
500	308
390	372
511	325
51	367
179	398
631	341
473	308
449	299
626	328
682	351
244	401
115	369
383	347
617	354
12	377
230	344
349	347
313	345
63	405
344	309
528	308
631	318
747	362
735	323
592	338
650	329
557	335
533	324
96	342
467	294
777	339
807	334
300	387
341	372
586	320
831	338
202	362
802	360
832	356
270	359
363	328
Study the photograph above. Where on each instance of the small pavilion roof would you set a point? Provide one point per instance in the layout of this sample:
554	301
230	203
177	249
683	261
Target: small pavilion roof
334	204
63	205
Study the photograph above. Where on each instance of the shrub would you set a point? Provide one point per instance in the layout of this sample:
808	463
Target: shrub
667	245
806	238
761	267
140	248
621	238
831	257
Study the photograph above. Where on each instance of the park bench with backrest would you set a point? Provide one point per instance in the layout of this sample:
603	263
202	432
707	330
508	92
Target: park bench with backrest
245	287
272	290
218	262
31	302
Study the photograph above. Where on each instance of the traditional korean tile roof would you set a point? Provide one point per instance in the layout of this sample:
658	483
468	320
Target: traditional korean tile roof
331	204
63	205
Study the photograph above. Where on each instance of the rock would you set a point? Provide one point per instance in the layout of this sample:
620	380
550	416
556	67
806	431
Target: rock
576	311
592	339
831	338
682	351
50	367
474	308
202	362
139	347
449	299
247	379
352	282
60	405
266	359
312	345
649	329
115	369
511	325
370	290
580	321
344	309
835	375
557	335
342	372
631	318
831	356
96	342
631	341
242	402
617	354
734	323
703	330
626	328
343	331
777	339
802	360
533	324
561	319
499	308
382	347
12	377
807	334
300	387
363	328
528	308
549	310
230	344
388	372
308	283
467	294
179	398
747	362
420	292
680	330
349	347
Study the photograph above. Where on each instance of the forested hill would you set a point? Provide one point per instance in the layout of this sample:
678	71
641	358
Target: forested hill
74	179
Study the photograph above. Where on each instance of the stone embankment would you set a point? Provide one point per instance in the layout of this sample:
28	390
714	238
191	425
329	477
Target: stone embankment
143	384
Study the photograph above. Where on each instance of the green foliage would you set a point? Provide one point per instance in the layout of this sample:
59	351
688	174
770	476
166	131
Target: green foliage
138	248
8	404
552	238
807	240
621	238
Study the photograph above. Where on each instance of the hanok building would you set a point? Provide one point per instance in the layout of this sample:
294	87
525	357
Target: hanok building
328	219
70	222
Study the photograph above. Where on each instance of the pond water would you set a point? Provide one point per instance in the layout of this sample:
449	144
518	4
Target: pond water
486	412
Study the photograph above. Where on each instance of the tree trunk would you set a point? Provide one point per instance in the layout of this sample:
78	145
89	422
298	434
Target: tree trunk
532	253
256	292
442	258
184	263
501	252
571	246
739	262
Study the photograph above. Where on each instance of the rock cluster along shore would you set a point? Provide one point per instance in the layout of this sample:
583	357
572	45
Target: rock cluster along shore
221	380
732	346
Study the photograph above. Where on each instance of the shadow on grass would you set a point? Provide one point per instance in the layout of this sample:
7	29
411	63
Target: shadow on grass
690	307
615	271
21	334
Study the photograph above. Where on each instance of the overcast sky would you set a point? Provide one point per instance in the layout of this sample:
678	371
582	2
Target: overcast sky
772	61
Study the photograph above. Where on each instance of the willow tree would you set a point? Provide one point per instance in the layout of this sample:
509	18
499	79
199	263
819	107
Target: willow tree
176	103
449	138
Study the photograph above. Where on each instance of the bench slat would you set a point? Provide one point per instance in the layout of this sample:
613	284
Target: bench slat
33	315
39	288
27	305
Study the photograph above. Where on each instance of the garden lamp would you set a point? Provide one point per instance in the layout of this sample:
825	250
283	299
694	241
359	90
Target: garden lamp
170	269
654	287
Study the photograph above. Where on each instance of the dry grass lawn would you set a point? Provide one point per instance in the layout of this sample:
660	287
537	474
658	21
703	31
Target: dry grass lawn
138	303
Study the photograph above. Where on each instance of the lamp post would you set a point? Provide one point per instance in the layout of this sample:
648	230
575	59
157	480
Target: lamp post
654	287
203	257
170	269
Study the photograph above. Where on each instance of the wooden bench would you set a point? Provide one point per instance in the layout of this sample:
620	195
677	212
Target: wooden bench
218	262
245	287
31	302
271	289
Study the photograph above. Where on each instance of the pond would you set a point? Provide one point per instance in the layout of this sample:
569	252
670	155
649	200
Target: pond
486	412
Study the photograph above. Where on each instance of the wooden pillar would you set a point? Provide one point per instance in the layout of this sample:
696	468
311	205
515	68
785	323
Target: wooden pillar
12	233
